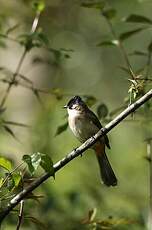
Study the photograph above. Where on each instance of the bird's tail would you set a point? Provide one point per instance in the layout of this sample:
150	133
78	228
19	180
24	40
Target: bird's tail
107	173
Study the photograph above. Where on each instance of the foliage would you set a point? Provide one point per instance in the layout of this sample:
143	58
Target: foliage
66	202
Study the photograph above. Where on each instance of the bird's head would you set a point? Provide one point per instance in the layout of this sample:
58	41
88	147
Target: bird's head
76	104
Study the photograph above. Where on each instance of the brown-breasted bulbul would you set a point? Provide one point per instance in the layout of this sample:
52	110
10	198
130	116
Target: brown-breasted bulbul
84	124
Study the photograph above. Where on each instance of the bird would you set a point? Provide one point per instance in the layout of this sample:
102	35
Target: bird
84	124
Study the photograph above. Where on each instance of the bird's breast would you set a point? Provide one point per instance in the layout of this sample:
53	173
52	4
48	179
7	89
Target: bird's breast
82	127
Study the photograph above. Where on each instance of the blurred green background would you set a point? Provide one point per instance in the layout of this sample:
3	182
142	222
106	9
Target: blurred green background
88	70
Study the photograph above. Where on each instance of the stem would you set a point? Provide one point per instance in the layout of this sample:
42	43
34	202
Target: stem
10	173
120	45
35	22
75	153
20	215
13	79
9	38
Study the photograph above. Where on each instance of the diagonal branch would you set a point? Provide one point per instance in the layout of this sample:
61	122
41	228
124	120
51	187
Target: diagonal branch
60	164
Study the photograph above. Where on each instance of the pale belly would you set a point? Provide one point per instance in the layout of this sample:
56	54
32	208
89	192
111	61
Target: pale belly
82	128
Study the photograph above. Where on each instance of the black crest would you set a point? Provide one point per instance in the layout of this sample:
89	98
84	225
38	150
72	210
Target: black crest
74	100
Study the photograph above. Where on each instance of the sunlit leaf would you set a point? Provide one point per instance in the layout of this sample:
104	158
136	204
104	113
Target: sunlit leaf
102	111
1	182
17	178
109	14
138	19
93	4
109	43
90	216
61	128
5	163
38	159
32	166
128	34
38	6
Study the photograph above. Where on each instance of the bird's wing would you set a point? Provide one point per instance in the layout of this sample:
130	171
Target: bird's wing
96	122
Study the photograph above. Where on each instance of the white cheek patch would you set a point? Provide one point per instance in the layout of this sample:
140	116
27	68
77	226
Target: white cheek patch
73	112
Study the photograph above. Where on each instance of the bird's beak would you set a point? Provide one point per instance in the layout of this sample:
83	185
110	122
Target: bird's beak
65	107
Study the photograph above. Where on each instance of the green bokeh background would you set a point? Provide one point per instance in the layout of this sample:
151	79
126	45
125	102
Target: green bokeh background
90	70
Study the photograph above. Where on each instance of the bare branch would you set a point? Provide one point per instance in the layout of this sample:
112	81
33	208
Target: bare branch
60	164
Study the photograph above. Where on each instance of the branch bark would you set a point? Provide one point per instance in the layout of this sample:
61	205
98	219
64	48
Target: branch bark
60	164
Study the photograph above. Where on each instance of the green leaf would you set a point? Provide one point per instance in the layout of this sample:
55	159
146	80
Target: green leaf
43	38
38	159
5	163
96	4
36	39
9	131
89	100
27	160
47	163
109	43
17	178
38	6
128	34
61	128
1	182
10	183
138	19
90	216
109	14
58	93
102	111
138	53
32	162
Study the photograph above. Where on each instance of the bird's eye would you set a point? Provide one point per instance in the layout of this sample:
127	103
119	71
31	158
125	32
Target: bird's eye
74	106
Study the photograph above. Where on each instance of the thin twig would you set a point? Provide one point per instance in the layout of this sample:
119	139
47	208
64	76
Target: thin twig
13	79
16	73
122	49
20	215
15	123
9	174
9	38
75	153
